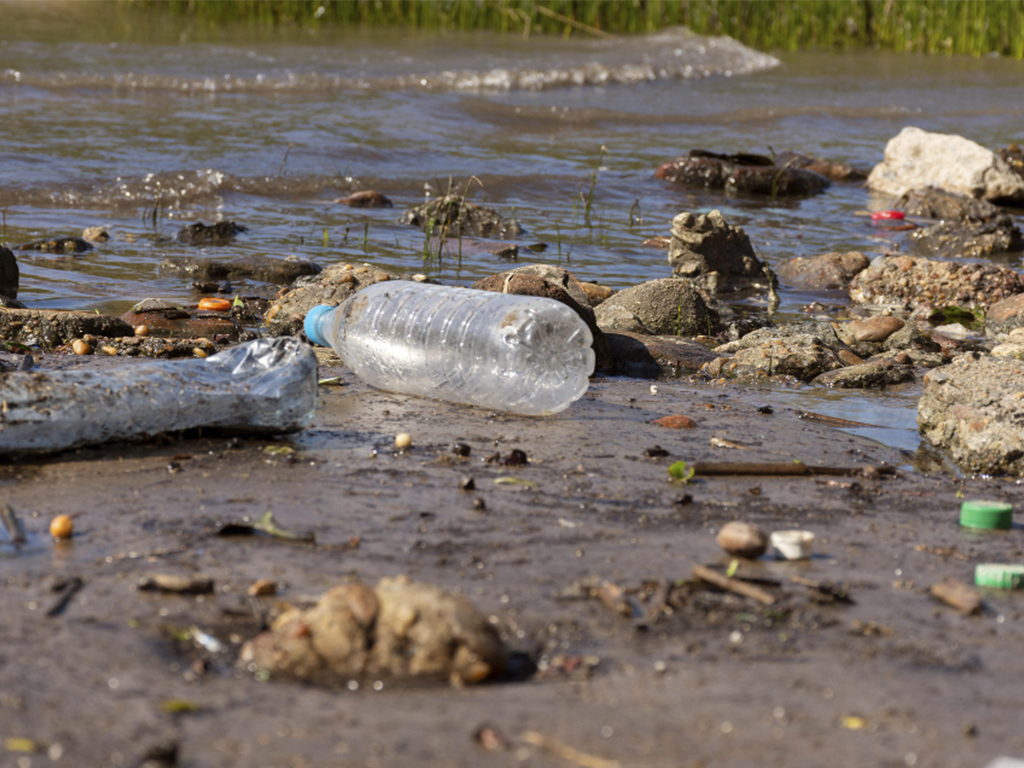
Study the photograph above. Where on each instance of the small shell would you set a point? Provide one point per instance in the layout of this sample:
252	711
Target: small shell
742	540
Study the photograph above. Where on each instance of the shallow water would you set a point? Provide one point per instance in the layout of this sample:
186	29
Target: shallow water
117	118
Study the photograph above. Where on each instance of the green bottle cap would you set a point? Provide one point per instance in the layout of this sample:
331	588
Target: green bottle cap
999	575
986	514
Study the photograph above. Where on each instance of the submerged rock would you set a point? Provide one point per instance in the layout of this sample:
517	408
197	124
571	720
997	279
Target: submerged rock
553	283
829	271
57	245
833	171
668	306
9	273
266	269
910	282
400	629
713	254
366	198
452	215
871	374
973	409
221	233
741	173
916	158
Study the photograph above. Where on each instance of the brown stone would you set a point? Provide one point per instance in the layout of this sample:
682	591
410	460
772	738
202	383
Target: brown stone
675	421
366	198
829	271
553	283
877	328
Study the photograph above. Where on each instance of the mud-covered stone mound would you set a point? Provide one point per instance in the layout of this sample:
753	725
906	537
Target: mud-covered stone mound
399	629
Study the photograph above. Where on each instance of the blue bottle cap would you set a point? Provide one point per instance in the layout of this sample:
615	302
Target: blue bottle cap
312	323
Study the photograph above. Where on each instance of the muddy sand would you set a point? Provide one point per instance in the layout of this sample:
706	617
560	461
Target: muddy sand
854	664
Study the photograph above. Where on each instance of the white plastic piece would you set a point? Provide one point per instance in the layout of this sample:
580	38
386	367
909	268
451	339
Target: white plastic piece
523	354
792	545
263	386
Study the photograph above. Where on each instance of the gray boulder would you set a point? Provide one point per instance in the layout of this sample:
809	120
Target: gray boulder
973	409
917	158
665	307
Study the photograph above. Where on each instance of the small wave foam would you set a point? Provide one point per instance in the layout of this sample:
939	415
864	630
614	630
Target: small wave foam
173	190
670	54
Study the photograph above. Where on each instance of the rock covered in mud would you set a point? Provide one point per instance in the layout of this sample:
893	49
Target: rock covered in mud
48	328
400	629
655	357
966	227
332	286
669	306
800	350
828	271
57	245
555	283
266	269
741	173
872	374
9	273
912	282
973	409
917	158
969	239
452	216
713	254
935	203
221	233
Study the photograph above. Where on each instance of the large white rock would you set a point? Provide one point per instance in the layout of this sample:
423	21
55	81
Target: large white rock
916	158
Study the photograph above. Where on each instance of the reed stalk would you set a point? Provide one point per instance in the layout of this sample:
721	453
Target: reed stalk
972	27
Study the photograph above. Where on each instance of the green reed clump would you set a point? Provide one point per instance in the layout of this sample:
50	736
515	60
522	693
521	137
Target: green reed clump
929	26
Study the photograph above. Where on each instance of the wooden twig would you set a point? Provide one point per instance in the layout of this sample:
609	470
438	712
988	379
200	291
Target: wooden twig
573	23
780	469
567	753
733	585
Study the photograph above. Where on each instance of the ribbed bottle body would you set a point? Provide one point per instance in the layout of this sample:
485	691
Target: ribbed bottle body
522	354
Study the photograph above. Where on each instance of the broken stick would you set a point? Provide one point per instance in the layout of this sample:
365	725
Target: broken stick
733	585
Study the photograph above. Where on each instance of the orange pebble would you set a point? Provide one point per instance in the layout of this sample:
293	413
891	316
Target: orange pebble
215	305
61	527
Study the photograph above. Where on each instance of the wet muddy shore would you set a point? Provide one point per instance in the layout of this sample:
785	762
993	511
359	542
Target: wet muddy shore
855	663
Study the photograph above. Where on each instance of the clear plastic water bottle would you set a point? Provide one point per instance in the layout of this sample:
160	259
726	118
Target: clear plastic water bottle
522	354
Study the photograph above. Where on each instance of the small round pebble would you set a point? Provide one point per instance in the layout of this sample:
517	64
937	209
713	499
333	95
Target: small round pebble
80	347
61	527
403	440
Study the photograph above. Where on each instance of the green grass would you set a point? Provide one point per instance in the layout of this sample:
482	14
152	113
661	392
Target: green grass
973	27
